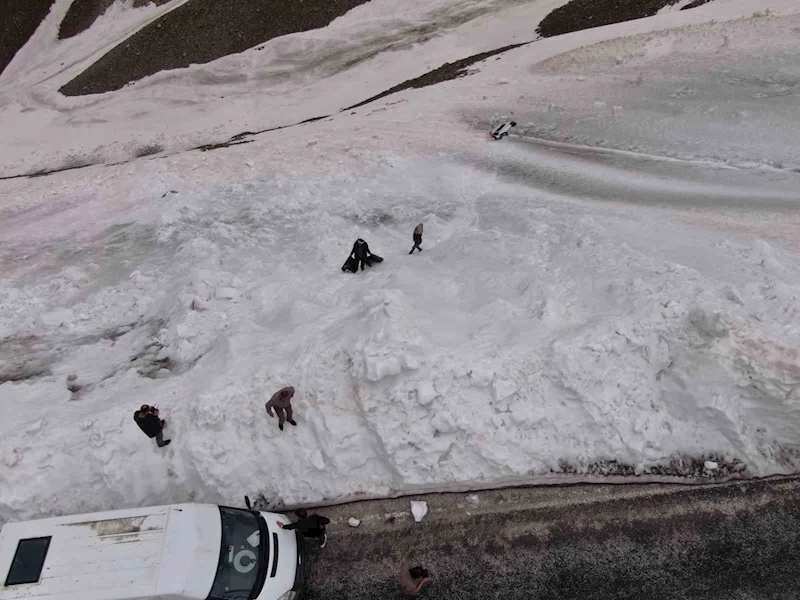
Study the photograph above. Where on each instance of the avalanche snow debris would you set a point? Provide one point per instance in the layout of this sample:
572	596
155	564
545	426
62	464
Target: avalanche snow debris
576	311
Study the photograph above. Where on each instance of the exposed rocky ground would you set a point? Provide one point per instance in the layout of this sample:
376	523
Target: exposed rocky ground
203	30
446	72
20	18
585	14
82	13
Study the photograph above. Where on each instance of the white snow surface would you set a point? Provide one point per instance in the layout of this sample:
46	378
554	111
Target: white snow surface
574	304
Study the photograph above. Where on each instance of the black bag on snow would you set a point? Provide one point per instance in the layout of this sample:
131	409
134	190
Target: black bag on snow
349	265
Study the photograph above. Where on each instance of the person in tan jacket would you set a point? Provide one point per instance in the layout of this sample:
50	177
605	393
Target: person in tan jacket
412	579
417	238
281	401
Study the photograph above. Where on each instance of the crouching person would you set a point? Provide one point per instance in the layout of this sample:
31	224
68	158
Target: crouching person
147	420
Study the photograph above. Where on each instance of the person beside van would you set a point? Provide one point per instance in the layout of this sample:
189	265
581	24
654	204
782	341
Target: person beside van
412	579
281	401
311	526
147	420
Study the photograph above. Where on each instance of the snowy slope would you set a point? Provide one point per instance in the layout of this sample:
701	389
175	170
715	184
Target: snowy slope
573	306
286	80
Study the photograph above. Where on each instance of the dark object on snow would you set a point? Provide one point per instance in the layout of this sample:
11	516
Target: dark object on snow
501	130
578	15
72	384
360	255
281	401
147	420
350	265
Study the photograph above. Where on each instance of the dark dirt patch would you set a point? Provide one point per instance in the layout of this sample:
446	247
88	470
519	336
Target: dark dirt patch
446	72
692	467
373	219
228	144
148	150
70	163
201	31
82	13
585	14
241	138
20	18
695	4
149	365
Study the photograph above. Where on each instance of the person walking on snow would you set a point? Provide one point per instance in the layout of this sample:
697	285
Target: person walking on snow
408	579
281	401
147	420
417	238
311	526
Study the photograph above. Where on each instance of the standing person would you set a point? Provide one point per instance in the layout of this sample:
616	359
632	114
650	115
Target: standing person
311	526
417	238
147	420
281	401
360	252
412	579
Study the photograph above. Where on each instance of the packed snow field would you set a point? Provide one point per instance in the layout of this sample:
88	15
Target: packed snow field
577	312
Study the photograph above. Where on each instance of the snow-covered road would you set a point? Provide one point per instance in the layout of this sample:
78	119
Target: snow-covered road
595	174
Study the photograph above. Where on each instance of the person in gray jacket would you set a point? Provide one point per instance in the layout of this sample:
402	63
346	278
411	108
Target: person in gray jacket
281	401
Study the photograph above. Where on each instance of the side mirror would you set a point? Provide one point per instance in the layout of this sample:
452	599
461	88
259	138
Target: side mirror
247	503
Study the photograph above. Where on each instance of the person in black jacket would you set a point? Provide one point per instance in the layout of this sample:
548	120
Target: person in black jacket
147	420
360	252
311	526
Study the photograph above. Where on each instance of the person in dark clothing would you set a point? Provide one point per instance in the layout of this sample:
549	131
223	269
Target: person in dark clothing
147	420
281	401
361	253
412	579
417	239
311	526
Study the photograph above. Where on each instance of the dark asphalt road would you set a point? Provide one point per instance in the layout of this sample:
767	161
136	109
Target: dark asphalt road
736	541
